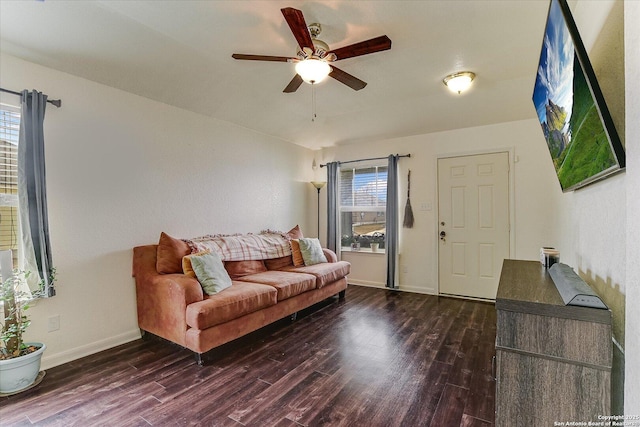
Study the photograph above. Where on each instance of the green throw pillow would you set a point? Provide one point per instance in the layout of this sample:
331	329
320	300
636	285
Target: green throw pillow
311	251
210	273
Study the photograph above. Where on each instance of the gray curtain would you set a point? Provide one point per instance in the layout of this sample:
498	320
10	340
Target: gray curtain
32	197
391	232
332	206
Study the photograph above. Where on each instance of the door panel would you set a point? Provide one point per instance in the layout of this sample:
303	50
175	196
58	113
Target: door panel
473	211
457	207
486	214
459	259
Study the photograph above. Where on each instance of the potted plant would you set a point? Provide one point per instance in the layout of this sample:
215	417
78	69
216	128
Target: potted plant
19	361
355	243
376	239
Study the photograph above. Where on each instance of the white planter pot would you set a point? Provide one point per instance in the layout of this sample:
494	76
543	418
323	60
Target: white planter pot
374	247
20	372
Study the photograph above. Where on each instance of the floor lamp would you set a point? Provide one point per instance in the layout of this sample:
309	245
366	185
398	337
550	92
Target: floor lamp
318	185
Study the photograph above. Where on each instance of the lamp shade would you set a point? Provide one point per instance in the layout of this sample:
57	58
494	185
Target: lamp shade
313	70
318	184
459	82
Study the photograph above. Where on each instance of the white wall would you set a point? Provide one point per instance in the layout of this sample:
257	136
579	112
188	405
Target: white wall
594	220
536	190
121	169
632	95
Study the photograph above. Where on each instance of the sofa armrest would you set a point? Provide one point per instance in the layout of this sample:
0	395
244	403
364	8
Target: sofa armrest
162	299
162	302
330	255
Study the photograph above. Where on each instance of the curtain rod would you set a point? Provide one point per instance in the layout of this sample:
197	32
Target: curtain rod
56	102
372	158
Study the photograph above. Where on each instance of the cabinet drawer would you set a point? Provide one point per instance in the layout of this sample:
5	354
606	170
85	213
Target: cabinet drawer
573	340
538	391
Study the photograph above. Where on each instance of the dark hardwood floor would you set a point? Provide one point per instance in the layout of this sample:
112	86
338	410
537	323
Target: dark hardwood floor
377	358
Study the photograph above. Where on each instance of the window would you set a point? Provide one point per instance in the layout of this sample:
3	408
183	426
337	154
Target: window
9	217
363	205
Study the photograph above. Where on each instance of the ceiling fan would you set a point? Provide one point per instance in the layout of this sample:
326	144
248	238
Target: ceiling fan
314	55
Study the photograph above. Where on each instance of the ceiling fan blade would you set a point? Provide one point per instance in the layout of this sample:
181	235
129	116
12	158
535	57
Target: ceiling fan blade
346	78
294	84
262	57
298	26
363	48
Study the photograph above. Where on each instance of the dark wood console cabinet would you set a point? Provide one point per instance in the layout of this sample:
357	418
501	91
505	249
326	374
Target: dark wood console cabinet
553	362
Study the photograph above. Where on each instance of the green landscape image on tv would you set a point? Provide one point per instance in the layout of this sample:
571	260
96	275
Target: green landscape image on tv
569	112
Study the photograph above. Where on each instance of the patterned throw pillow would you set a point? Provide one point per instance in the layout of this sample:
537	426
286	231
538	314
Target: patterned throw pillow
211	273
311	251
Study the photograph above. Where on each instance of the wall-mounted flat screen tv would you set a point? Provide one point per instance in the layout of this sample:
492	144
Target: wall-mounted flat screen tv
576	123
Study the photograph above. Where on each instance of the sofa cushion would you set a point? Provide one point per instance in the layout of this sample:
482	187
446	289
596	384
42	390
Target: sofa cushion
287	283
325	273
236	301
210	273
169	254
238	269
311	251
279	263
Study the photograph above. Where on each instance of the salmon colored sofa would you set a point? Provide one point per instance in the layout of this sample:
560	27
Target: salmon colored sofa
173	305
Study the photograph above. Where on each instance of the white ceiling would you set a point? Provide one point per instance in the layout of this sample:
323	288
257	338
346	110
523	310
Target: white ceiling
179	53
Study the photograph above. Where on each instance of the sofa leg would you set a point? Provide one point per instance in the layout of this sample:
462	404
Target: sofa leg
294	316
342	294
199	359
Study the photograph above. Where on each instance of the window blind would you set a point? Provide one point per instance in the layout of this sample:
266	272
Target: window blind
9	130
363	188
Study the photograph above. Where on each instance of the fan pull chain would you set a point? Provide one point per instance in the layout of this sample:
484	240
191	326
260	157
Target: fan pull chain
313	102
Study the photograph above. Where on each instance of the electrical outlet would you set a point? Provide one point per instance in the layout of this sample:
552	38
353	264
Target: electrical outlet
54	323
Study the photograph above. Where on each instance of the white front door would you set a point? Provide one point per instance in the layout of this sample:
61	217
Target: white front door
473	223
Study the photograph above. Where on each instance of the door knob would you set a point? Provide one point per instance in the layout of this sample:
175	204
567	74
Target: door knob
442	235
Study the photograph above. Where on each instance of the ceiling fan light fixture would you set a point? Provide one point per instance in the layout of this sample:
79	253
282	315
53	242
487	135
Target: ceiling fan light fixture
459	82
313	70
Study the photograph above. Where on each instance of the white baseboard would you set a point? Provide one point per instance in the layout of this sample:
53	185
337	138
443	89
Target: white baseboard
427	291
56	359
489	300
618	346
366	283
415	290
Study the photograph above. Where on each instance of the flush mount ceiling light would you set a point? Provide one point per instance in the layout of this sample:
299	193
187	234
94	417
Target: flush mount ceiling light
459	82
313	70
